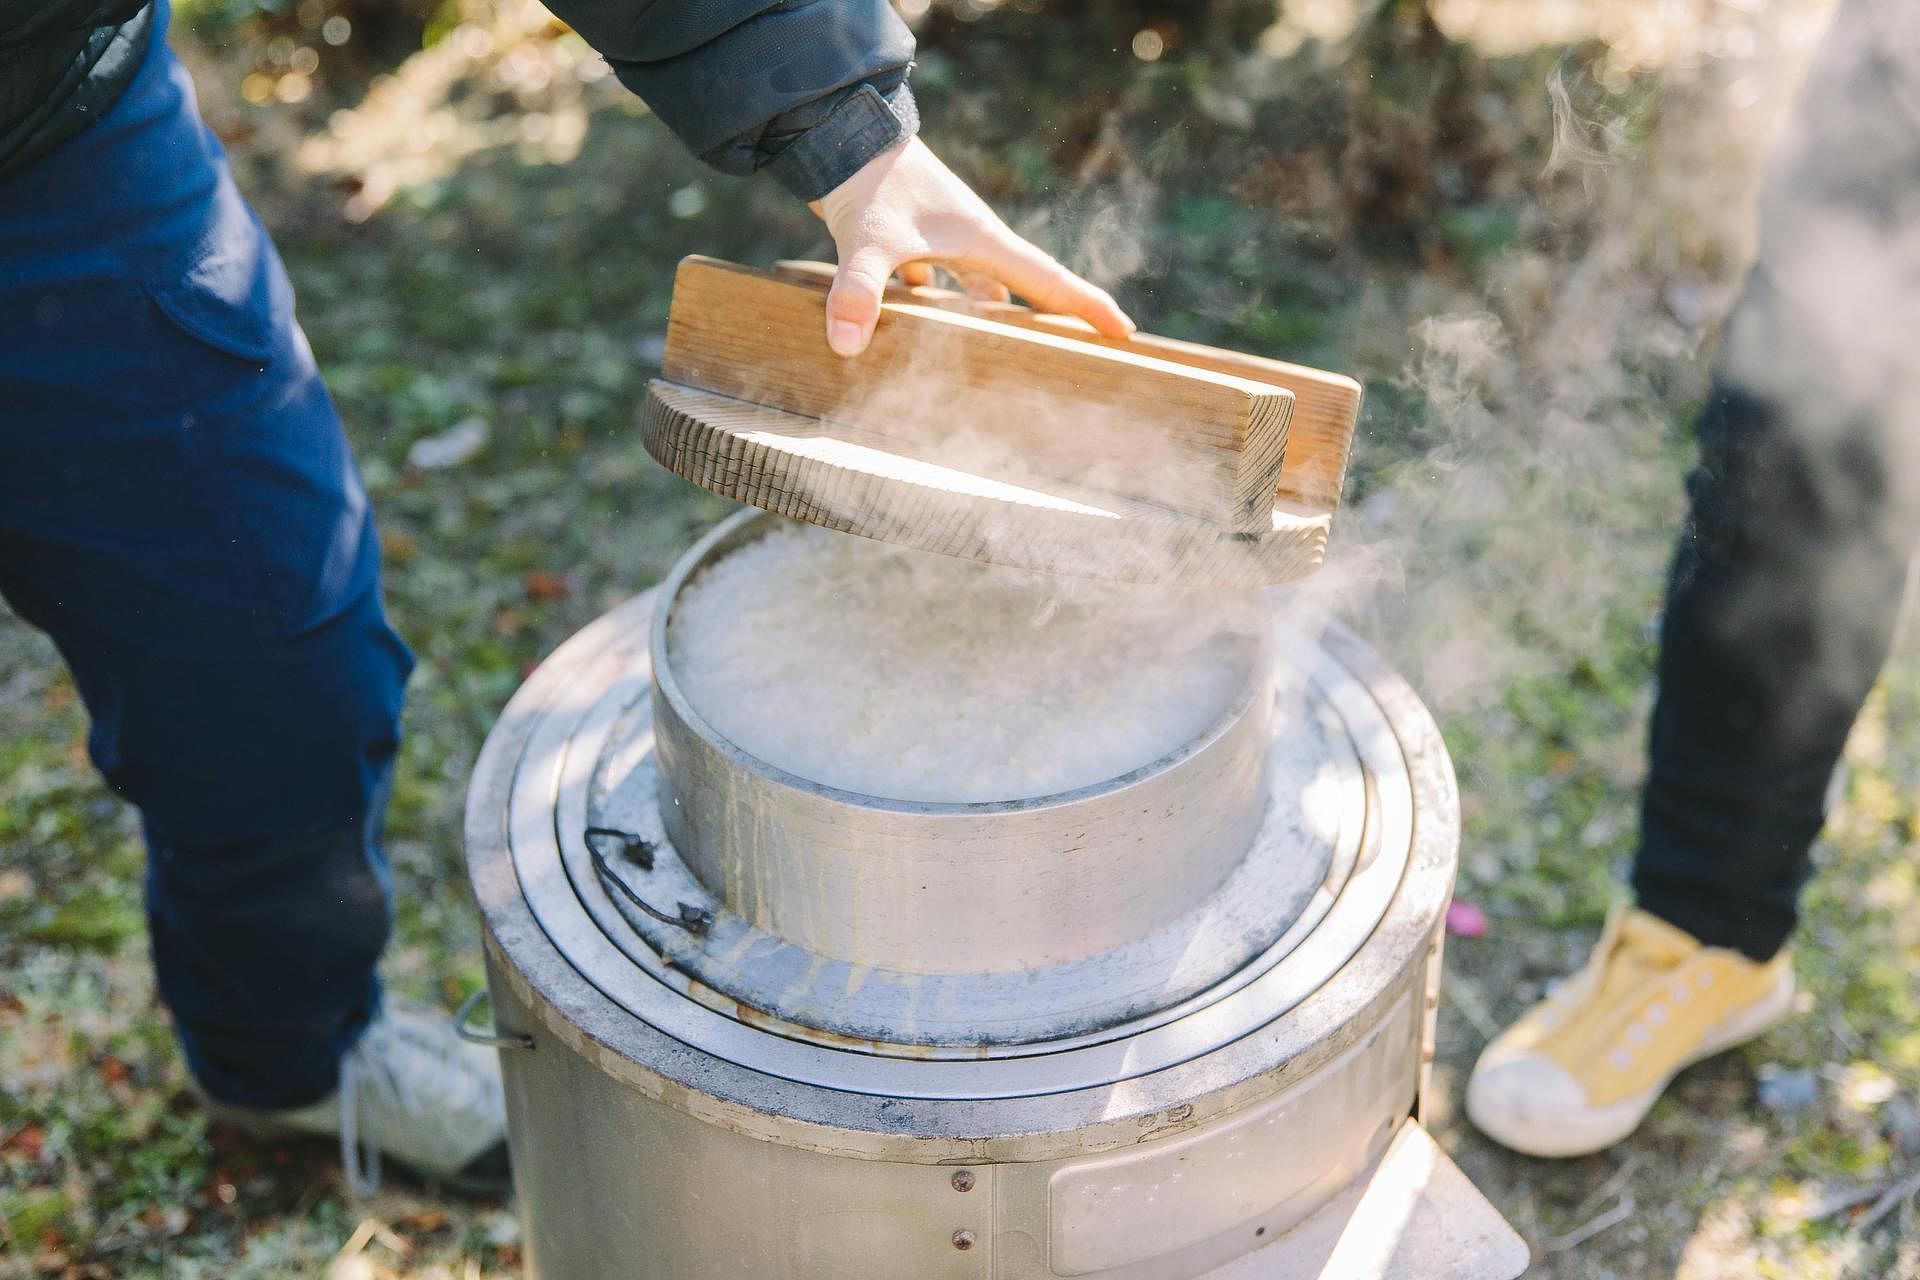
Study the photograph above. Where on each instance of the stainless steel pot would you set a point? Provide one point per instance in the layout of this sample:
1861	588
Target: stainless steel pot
1222	1096
955	888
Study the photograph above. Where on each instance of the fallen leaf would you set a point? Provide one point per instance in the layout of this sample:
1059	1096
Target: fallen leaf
450	448
545	586
15	885
398	546
27	1142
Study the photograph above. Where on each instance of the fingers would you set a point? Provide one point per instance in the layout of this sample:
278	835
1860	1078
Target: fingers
853	303
1003	264
983	288
904	210
1046	284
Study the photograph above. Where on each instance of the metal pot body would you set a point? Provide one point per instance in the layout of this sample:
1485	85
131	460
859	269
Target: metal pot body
955	888
628	1176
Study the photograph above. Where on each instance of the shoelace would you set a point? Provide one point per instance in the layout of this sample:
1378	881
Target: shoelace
1622	963
359	1160
373	1072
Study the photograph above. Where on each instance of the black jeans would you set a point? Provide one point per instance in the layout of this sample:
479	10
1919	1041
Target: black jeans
1805	507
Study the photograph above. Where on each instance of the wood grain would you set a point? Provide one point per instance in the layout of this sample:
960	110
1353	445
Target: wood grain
1326	406
858	482
1008	402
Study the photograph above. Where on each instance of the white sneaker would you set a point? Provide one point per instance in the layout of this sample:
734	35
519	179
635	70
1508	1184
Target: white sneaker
413	1090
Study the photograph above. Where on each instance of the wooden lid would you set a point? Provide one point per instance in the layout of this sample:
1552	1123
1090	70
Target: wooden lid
995	434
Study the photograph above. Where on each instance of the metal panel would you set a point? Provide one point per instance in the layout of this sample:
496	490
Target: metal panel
1254	1173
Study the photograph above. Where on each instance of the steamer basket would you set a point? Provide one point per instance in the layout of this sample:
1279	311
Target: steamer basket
968	930
931	888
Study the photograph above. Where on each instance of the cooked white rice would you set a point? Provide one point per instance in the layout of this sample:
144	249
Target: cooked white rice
911	676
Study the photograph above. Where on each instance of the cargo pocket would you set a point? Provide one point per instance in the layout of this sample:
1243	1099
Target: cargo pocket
230	293
270	454
226	326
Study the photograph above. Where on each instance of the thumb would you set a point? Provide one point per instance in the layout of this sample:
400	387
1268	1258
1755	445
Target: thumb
853	304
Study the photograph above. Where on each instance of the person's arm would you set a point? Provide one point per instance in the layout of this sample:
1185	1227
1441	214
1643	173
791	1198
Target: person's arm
815	92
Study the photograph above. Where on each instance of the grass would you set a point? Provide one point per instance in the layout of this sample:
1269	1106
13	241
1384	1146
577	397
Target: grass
1377	207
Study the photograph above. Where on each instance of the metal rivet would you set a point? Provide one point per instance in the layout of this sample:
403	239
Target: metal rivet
963	1239
963	1179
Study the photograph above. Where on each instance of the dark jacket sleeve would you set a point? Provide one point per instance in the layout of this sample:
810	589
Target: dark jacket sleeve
809	90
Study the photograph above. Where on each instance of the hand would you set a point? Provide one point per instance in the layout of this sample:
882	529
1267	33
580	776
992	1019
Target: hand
906	210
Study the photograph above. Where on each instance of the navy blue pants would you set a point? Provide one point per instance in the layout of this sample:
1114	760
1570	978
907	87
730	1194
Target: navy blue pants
180	513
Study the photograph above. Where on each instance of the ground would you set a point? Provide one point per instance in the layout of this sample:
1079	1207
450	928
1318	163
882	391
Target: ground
1519	223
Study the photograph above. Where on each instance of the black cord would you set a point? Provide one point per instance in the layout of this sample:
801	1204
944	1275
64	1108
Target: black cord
694	919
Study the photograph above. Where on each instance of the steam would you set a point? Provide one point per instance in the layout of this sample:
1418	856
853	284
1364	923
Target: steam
1572	144
891	672
1558	389
1558	401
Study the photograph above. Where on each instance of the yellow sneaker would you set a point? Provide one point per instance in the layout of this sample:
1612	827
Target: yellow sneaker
1582	1068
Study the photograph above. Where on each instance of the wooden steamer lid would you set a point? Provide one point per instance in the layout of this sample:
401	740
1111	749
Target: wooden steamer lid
995	433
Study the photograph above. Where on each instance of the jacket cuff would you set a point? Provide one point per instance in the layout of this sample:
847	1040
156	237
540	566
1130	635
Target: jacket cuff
863	124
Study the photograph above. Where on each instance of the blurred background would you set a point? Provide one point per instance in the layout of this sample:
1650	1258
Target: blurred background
1518	221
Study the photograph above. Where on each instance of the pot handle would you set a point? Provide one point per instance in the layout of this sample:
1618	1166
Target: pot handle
494	1039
